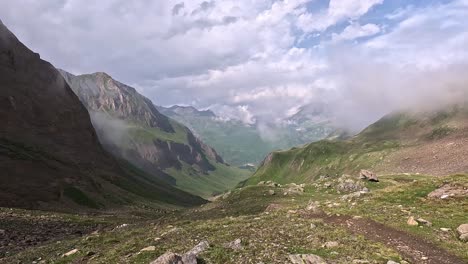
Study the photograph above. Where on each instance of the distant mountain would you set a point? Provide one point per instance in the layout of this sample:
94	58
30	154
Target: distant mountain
130	127
432	142
50	156
240	143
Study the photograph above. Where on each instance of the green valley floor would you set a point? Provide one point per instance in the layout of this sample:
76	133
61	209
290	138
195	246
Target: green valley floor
397	219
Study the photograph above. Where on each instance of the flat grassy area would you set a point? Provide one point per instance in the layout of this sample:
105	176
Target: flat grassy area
221	179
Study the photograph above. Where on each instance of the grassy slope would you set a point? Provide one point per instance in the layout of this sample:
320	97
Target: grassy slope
367	150
270	237
189	178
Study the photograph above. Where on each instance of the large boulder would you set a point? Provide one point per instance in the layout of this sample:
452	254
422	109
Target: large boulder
368	175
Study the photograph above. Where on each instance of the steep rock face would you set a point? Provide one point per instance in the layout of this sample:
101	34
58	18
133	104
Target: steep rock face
99	92
149	139
49	152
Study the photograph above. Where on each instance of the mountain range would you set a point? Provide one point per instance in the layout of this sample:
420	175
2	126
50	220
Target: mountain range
241	143
130	127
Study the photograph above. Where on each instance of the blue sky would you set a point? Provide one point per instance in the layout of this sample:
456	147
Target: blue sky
260	60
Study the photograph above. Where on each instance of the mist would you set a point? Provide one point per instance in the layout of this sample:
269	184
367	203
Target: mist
111	131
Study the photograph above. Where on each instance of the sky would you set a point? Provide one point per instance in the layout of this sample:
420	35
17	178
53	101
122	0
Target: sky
260	60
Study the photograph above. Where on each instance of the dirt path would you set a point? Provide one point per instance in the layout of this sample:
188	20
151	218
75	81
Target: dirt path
411	247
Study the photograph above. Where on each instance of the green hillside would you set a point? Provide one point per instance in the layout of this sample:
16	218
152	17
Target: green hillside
396	142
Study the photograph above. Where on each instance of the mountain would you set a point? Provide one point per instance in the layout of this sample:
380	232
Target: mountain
50	156
241	143
130	127
430	142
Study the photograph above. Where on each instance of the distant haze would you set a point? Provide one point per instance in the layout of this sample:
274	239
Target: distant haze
259	61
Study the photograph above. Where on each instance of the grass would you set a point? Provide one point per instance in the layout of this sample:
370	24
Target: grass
270	236
401	196
79	197
215	182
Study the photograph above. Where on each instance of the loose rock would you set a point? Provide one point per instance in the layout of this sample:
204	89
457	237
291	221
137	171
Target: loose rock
330	244
150	248
71	252
306	259
411	221
235	245
368	175
462	231
168	258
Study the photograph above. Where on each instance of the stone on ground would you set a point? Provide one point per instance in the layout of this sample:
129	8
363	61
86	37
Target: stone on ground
168	258
71	252
462	231
368	175
306	259
411	221
235	245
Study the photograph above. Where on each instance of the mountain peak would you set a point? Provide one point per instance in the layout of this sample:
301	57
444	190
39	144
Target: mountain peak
190	110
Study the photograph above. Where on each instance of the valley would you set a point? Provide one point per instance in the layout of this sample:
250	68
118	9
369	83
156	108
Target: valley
239	152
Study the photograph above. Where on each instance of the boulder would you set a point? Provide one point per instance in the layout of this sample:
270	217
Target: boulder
189	257
202	246
168	258
368	175
411	221
449	191
235	245
330	244
462	231
422	221
306	259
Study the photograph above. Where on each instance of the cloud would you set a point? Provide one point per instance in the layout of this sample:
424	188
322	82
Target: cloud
355	31
338	11
258	60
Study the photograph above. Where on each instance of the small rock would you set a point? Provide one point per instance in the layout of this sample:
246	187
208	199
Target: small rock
368	175
306	259
235	245
411	221
330	244
392	262
271	192
2	232
462	231
71	252
444	229
422	221
313	206
312	226
150	248
424	258
202	246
